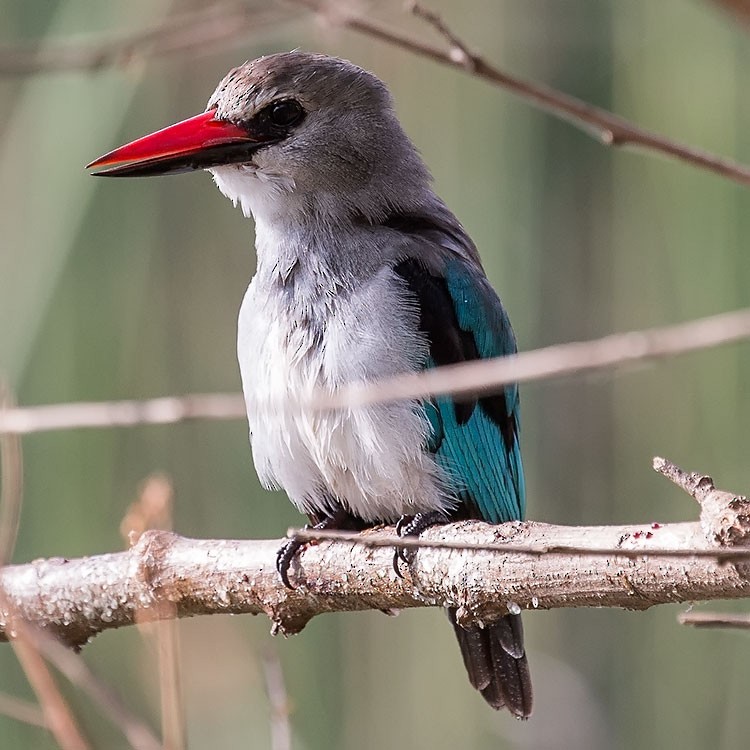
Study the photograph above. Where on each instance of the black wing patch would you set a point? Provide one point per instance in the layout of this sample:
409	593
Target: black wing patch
449	343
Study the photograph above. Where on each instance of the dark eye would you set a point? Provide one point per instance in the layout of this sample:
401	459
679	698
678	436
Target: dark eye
285	113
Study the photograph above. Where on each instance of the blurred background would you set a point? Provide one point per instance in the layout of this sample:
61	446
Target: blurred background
130	289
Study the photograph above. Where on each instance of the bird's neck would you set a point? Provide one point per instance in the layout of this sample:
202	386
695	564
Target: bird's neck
336	240
324	256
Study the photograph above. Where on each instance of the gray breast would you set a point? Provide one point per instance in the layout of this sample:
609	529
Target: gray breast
370	460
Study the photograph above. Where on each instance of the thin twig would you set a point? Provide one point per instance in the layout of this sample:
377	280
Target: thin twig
75	669
608	128
696	485
173	716
198	32
57	713
281	731
203	31
166	410
614	351
153	509
714	620
458	49
378	540
22	710
11	477
611	352
30	644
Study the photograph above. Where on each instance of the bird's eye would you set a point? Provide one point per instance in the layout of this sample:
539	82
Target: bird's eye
285	113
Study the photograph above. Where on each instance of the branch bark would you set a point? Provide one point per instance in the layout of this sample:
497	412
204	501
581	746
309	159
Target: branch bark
545	567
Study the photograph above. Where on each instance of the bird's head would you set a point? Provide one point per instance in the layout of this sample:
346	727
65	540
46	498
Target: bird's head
291	131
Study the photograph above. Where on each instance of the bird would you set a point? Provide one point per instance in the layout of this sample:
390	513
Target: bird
362	273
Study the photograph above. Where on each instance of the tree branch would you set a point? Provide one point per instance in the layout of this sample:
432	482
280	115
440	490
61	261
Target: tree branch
610	352
609	129
198	32
543	567
203	31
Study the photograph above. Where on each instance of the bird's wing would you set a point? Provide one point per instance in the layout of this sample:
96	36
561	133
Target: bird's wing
475	439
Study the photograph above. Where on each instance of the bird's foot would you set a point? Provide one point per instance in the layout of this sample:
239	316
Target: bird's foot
287	552
413	526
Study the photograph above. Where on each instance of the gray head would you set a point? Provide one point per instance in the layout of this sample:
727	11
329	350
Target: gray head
293	135
339	144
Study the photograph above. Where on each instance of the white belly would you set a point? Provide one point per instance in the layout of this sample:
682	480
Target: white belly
369	460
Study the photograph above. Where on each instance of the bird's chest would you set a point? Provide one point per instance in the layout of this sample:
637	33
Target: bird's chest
289	346
284	344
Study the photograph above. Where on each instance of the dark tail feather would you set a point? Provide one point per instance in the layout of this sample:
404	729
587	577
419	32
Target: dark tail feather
495	659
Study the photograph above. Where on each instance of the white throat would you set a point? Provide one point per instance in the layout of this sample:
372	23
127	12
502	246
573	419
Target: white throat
259	193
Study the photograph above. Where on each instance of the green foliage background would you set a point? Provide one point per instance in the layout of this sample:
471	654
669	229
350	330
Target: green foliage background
122	289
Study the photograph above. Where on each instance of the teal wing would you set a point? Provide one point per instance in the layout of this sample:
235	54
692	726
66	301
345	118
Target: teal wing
475	439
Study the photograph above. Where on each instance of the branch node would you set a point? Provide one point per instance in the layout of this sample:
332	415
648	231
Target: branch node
725	517
458	51
150	551
697	485
287	623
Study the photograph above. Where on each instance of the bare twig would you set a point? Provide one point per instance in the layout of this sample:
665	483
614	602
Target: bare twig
458	51
696	485
610	352
31	644
11	477
714	620
608	128
550	547
153	509
173	716
526	564
57	714
22	710
75	669
281	731
166	410
200	32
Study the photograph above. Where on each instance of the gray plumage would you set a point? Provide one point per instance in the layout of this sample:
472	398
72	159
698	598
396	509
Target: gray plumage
325	306
362	273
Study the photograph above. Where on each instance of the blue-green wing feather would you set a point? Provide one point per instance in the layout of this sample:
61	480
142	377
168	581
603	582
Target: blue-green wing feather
475	440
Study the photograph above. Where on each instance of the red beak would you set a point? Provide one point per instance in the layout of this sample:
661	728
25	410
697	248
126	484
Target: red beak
198	143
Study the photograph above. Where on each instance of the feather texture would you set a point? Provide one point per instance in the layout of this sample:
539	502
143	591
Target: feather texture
474	440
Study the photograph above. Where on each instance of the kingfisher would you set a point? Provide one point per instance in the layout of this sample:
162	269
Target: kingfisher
362	273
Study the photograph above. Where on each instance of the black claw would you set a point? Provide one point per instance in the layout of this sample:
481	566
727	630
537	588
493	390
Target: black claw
397	562
340	519
413	526
398	553
286	554
284	558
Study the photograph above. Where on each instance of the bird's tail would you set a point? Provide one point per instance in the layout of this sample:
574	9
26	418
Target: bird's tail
495	659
